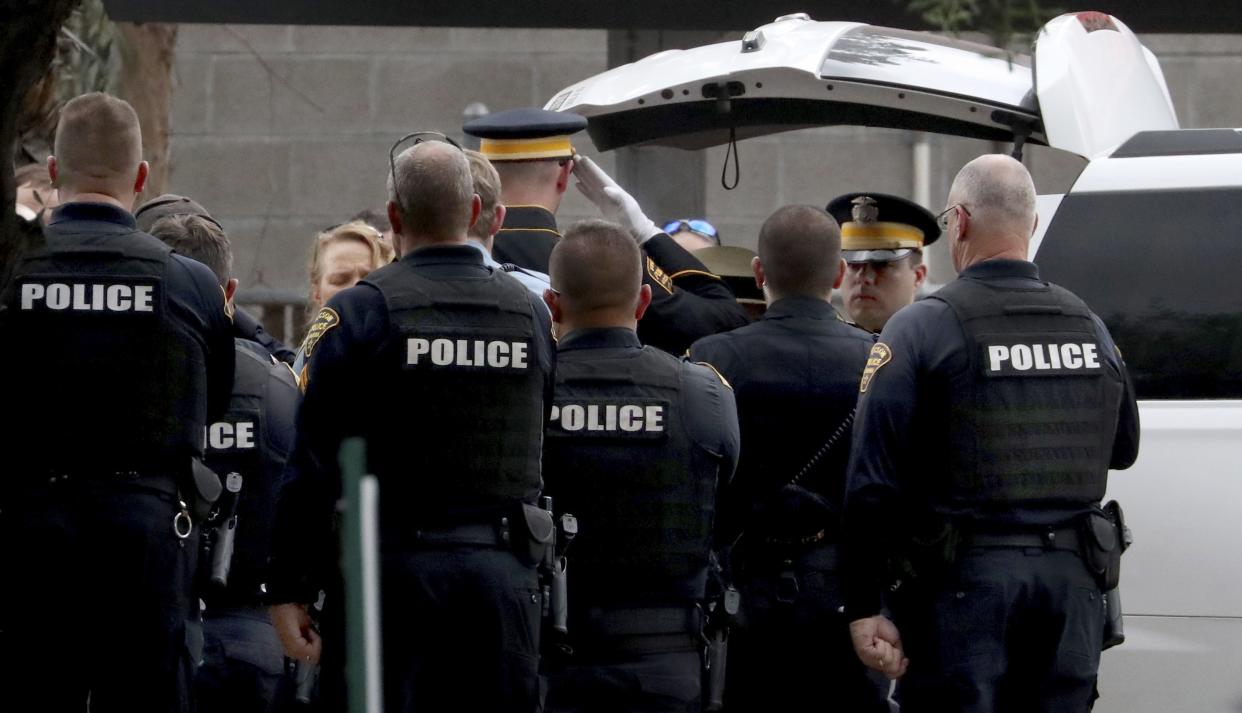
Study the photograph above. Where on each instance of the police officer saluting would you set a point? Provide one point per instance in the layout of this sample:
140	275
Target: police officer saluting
882	241
795	373
637	445
532	151
989	417
444	365
118	354
242	661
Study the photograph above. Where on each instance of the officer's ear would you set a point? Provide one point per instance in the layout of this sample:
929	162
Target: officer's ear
644	301
756	266
552	299
476	207
394	220
499	219
230	289
53	171
841	268
920	274
563	174
140	181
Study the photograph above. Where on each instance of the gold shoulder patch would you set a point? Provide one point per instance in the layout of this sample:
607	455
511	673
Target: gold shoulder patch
327	319
715	371
879	356
660	277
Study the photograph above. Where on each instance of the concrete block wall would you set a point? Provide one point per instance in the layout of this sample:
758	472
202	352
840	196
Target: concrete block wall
282	131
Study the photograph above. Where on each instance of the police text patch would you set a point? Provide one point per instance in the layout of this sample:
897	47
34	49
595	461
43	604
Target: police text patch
458	350
325	320
879	356
610	418
1040	355
111	296
658	275
239	435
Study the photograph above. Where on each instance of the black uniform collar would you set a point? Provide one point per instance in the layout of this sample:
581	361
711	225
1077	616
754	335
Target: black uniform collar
812	307
462	254
101	212
600	338
989	269
529	217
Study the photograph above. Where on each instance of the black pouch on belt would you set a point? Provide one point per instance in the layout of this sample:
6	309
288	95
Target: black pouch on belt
206	490
1102	543
533	534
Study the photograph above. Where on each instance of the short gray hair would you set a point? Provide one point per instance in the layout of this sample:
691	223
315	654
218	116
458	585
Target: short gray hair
998	185
433	190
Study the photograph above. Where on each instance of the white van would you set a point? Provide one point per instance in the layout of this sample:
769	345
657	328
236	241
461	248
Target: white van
1150	235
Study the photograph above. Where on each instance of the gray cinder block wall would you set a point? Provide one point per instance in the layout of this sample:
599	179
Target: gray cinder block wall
282	131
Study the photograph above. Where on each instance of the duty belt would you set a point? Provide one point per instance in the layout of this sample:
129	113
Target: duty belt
639	630
474	535
1052	538
160	480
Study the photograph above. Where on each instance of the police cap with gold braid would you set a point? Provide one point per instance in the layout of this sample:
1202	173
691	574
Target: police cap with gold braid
525	134
877	227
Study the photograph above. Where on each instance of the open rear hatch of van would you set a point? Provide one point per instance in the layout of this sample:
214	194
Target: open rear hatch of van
1095	86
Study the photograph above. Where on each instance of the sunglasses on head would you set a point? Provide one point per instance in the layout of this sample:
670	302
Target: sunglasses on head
419	137
702	227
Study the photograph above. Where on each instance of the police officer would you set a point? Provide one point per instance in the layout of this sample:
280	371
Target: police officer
882	241
989	417
117	354
795	373
532	152
444	365
687	300
492	213
242	662
245	326
637	446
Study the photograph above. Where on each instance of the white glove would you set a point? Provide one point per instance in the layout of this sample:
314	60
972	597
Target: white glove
612	200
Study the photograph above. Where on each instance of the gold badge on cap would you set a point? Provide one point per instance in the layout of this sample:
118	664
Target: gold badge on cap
865	210
879	356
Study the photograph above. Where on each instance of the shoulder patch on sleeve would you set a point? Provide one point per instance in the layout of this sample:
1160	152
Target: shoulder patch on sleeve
716	371
879	356
660	277
325	320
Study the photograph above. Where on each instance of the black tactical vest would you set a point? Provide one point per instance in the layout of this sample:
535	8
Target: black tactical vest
468	392
618	456
246	448
1034	415
103	375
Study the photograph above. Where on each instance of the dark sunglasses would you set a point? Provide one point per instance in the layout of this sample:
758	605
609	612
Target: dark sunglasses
702	227
419	137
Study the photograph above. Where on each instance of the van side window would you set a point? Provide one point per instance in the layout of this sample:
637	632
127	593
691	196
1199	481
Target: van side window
1163	269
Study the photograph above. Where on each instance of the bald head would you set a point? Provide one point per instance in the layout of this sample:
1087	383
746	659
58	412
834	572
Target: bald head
432	194
98	148
800	252
999	194
596	271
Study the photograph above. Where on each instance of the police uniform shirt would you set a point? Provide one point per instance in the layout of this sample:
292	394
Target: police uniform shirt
192	303
527	237
795	374
688	302
253	440
533	280
621	416
350	373
901	432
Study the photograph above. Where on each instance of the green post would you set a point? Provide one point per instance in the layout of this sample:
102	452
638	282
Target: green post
360	564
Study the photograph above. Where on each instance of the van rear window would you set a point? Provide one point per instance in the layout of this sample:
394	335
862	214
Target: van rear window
1164	271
